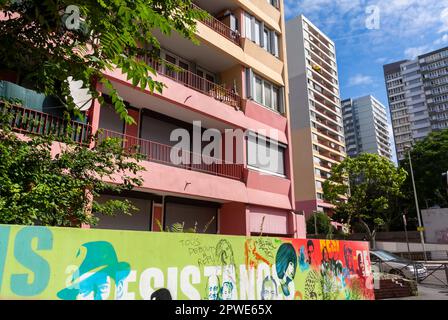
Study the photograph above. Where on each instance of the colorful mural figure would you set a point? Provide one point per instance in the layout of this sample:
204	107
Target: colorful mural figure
286	265
227	291
303	260
71	264
93	279
213	287
310	251
269	289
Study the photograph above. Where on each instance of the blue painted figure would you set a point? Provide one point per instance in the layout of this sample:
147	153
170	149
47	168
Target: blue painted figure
93	279
286	265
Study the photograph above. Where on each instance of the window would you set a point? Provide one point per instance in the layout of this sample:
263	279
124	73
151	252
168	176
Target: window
192	214
262	36
266	42
248	26
265	154
258	90
275	50
266	93
109	119
257	32
273	2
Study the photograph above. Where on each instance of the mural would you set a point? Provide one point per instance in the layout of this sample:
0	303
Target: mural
80	264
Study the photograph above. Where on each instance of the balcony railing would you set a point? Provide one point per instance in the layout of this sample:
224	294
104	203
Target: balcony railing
196	82
221	28
161	153
29	121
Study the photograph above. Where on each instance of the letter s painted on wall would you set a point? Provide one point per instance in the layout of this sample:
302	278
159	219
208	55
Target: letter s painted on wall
26	256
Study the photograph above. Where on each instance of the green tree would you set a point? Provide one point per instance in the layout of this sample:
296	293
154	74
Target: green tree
38	187
372	184
429	161
44	45
322	222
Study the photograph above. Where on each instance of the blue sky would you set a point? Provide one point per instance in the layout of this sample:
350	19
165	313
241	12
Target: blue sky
407	28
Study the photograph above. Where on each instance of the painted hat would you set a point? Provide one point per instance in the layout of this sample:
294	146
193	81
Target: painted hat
98	258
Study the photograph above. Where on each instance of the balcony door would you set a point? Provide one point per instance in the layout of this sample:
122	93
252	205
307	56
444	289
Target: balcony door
208	79
174	60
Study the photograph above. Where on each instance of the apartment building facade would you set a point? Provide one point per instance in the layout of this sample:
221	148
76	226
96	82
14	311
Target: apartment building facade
316	115
366	127
418	99
235	79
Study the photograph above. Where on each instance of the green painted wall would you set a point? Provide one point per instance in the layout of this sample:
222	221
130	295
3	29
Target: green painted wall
66	263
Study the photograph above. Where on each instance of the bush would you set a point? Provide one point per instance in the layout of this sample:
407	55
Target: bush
323	224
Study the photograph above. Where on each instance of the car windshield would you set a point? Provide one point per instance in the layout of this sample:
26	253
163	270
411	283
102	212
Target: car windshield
387	256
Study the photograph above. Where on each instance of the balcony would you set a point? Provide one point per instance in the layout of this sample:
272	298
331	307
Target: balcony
29	121
221	28
161	153
195	82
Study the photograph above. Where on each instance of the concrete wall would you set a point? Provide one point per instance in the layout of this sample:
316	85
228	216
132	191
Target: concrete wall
436	225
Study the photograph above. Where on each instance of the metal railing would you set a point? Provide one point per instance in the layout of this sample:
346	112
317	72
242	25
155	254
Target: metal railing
161	153
220	27
195	82
24	120
430	273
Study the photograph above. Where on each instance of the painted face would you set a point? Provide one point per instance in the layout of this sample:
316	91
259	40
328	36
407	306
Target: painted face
269	291
227	292
97	287
213	288
290	270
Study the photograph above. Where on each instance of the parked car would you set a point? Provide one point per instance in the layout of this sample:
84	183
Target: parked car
387	262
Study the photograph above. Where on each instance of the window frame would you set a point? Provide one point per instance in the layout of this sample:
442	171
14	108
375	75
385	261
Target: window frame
273	87
281	147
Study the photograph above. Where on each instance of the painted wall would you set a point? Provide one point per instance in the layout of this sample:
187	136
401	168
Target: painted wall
65	263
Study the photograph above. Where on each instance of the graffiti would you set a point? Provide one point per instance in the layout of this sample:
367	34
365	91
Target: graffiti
213	288
92	281
313	288
205	254
253	256
269	289
75	264
310	251
286	265
227	291
266	246
348	257
303	260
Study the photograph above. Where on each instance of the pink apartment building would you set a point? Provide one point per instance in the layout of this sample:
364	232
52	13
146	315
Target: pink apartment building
235	79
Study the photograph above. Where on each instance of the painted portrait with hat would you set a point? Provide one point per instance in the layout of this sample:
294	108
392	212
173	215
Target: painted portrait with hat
93	279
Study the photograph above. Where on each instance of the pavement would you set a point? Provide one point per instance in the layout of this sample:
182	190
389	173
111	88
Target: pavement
428	292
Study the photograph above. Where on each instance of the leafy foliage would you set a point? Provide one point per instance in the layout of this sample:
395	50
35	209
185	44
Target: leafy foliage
180	227
323	224
429	161
44	49
39	185
371	184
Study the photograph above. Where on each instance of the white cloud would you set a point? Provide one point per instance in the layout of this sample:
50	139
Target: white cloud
444	19
414	52
359	80
400	18
441	40
381	60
